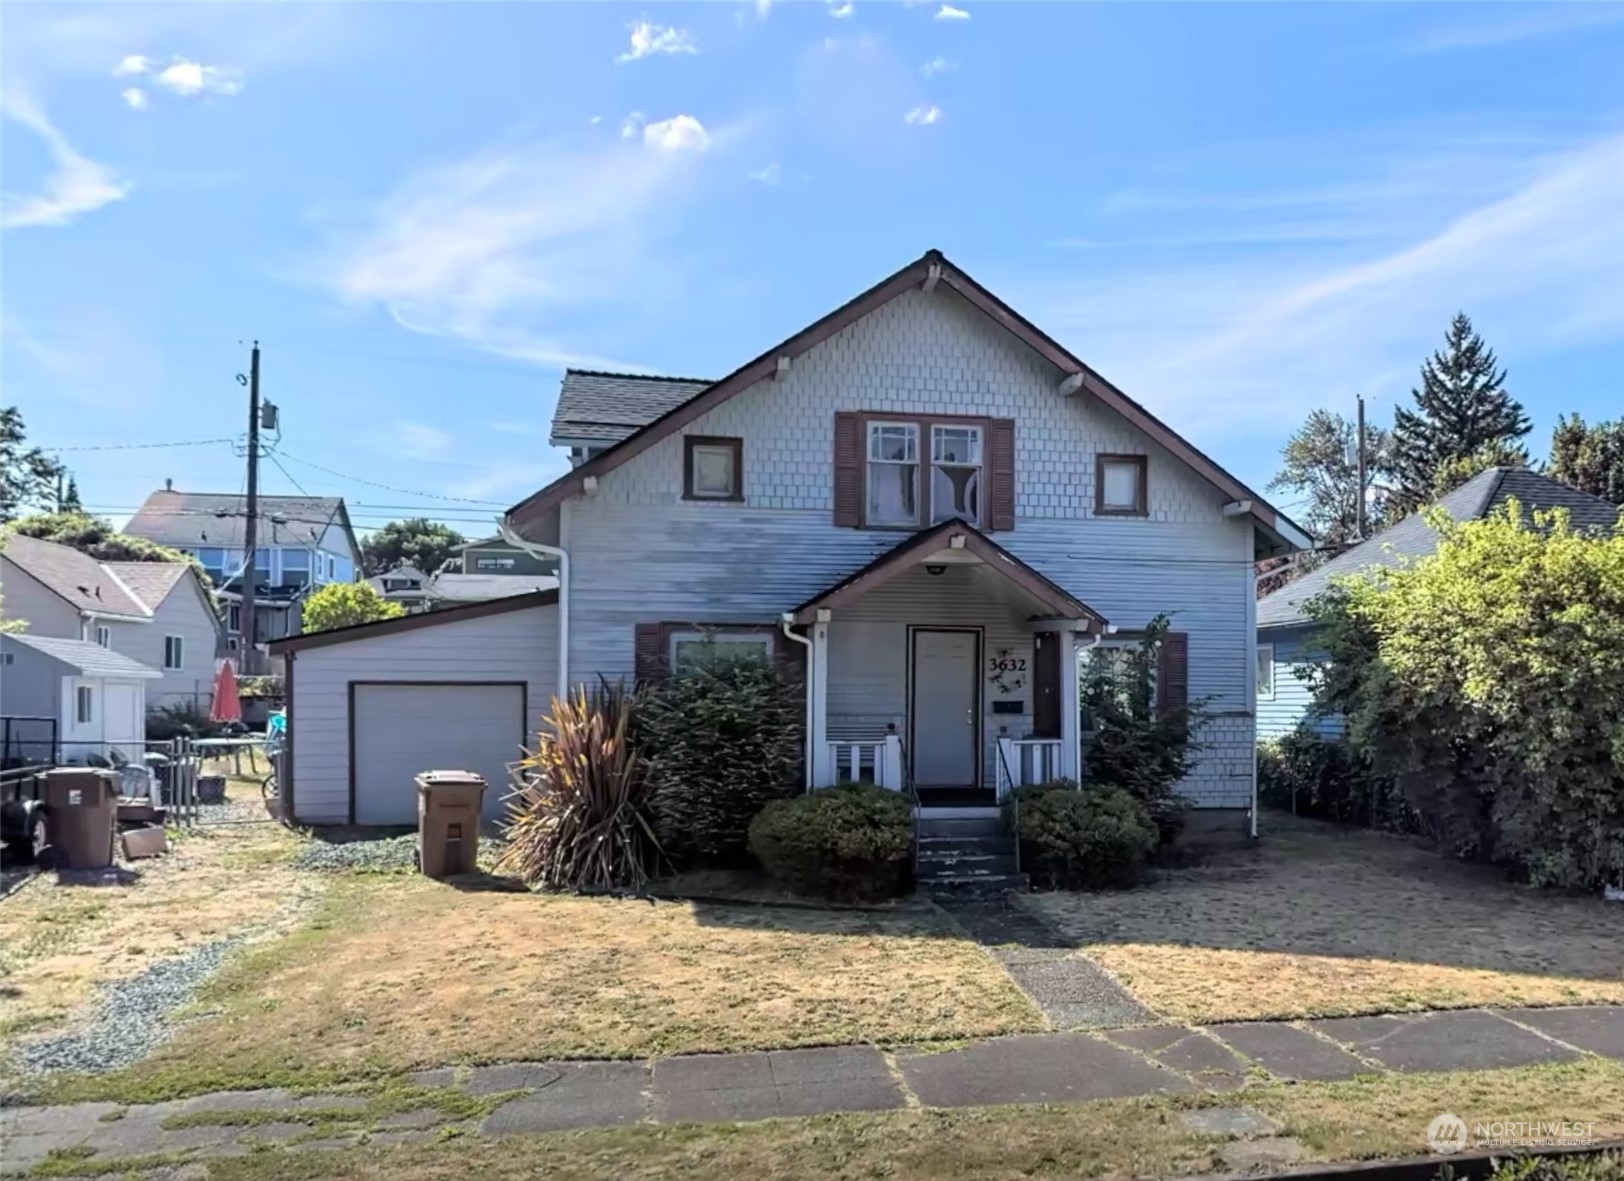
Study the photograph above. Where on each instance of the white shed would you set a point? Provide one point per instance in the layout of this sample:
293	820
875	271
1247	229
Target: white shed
98	697
371	706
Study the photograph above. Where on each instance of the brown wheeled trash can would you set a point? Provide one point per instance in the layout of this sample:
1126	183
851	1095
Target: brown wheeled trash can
448	804
81	816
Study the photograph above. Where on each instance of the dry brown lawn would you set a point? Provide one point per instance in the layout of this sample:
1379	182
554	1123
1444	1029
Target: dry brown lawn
60	941
401	972
1369	1118
1321	921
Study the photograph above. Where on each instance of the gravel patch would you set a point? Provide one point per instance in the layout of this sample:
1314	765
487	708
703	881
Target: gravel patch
385	855
130	1017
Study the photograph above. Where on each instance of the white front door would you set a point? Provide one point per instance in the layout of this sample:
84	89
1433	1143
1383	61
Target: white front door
946	730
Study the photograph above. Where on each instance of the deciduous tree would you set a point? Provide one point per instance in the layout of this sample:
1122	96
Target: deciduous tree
1589	458
416	541
344	604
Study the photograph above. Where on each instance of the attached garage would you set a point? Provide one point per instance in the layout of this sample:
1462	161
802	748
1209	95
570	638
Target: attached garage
371	706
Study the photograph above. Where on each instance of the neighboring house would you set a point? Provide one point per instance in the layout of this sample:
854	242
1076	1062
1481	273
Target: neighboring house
930	510
492	555
406	585
450	589
303	542
158	614
96	697
1285	636
597	410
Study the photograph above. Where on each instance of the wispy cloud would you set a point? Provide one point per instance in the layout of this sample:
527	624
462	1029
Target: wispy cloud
938	65
648	39
769	174
485	248
132	65
134	97
1547	21
75	186
948	12
1238	342
843	11
407	439
923	116
180	77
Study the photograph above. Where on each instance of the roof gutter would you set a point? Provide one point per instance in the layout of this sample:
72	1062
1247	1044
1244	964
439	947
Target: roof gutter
536	548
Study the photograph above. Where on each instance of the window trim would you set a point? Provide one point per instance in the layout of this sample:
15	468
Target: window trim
180	654
732	443
1142	462
84	705
104	636
922	423
1263	695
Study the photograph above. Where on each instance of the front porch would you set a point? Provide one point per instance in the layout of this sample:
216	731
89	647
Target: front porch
946	668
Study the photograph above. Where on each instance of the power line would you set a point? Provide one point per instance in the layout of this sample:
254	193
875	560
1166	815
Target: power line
140	446
271	455
391	487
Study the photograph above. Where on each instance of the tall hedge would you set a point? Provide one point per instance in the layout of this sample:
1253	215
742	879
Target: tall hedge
722	738
1488	680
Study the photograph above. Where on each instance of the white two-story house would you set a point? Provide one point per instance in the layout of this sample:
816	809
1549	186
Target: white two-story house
930	509
302	542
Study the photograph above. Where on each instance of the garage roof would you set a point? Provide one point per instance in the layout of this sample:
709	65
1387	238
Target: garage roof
409	623
85	658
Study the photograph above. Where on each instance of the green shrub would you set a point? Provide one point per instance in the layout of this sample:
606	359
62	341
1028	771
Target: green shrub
850	842
1328	779
1072	839
181	720
722	741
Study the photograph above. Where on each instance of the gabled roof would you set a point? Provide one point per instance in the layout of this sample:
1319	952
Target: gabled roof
931	268
85	658
151	582
77	578
193	519
410	623
479	588
1413	538
944	539
598	407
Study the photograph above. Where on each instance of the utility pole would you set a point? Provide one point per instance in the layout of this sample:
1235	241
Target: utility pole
251	529
1359	506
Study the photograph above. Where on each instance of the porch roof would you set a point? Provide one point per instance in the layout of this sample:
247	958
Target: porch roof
953	542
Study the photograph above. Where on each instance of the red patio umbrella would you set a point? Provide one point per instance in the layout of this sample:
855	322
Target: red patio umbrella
225	706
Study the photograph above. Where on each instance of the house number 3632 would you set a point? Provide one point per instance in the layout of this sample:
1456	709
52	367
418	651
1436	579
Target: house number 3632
1007	672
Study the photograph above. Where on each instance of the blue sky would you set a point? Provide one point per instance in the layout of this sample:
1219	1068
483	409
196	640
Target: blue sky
1237	213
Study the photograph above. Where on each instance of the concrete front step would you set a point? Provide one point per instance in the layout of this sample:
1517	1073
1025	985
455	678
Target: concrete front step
990	886
965	846
975	866
960	827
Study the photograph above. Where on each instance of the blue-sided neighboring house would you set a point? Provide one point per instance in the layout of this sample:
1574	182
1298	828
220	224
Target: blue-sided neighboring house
1284	636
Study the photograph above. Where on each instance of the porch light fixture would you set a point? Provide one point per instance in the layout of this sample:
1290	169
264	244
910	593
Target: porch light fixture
935	568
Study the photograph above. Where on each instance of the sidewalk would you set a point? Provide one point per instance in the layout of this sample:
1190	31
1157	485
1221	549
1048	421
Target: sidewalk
1033	1068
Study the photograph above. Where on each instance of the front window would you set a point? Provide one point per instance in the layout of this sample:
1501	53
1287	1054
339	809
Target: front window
1265	671
84	705
893	473
1113	659
691	646
955	475
174	653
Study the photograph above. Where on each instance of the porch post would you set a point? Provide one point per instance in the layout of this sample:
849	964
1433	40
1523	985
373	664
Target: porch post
1070	752
817	684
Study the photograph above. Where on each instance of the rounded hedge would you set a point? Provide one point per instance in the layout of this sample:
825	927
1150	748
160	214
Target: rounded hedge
851	842
1082	839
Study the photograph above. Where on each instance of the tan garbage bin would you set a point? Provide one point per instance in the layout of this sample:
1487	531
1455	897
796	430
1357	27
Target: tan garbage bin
81	816
448	805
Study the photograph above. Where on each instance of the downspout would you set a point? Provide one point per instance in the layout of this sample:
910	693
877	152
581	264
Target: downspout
785	621
534	549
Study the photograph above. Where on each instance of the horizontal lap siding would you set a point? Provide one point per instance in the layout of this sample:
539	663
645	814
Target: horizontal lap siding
515	646
1292	697
639	553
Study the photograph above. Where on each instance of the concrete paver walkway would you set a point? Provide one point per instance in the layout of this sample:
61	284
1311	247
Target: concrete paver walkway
1050	1068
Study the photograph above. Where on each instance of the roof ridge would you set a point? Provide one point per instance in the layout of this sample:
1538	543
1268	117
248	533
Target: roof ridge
640	376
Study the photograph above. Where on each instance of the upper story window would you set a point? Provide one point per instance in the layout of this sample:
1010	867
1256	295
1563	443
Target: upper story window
1121	485
174	653
295	567
899	495
104	637
1265	672
262	567
713	468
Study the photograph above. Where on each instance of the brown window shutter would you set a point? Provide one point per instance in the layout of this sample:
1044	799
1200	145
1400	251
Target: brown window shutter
1001	467
1173	672
848	470
1046	684
648	650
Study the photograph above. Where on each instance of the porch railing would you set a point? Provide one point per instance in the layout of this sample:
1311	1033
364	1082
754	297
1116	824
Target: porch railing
878	762
1026	761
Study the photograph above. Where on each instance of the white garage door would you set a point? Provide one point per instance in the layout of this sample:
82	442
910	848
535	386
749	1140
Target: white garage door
400	730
